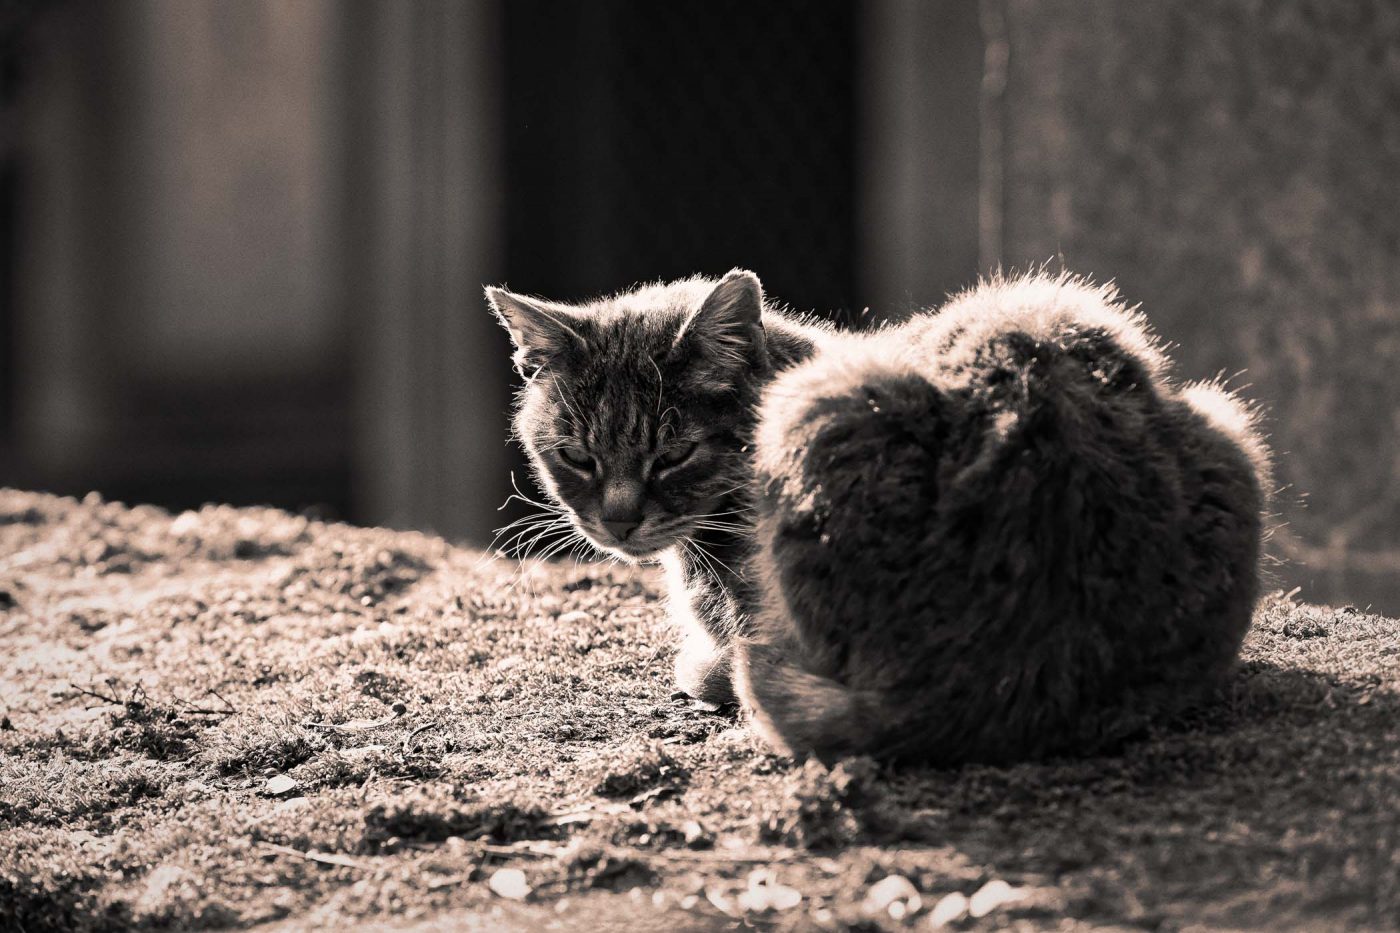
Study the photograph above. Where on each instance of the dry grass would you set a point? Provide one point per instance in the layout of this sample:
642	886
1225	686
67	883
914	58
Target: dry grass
444	717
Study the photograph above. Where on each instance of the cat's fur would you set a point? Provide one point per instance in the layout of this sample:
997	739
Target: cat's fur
994	532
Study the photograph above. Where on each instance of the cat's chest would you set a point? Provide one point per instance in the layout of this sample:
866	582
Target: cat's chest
700	593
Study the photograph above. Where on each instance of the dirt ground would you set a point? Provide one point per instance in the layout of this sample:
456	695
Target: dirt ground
242	718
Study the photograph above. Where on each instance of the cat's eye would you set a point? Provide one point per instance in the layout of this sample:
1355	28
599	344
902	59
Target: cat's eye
577	457
675	456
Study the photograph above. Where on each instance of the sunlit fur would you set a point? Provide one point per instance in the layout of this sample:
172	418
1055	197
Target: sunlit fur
995	532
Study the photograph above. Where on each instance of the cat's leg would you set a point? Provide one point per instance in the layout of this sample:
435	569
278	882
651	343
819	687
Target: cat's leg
795	710
704	668
703	662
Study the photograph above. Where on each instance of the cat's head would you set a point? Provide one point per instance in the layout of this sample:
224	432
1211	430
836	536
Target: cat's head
636	408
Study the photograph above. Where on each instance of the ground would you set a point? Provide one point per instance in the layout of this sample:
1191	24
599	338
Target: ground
242	718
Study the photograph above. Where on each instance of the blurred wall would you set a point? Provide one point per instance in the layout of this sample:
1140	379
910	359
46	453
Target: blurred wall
919	153
177	307
243	242
1236	168
249	245
423	195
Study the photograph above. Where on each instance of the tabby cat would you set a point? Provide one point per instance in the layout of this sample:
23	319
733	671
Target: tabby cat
994	532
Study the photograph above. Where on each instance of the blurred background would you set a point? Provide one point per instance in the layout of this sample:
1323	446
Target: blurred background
242	243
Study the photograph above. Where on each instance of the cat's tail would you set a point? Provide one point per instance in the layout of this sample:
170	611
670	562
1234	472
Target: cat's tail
798	711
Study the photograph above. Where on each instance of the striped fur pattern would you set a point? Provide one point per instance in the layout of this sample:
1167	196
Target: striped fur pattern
644	403
996	532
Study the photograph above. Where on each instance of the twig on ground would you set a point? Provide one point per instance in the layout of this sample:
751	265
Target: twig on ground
312	855
105	698
187	707
585	813
527	849
408	740
688	855
220	697
361	725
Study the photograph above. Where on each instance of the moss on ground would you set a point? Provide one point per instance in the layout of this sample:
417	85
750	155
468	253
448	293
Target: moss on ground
239	717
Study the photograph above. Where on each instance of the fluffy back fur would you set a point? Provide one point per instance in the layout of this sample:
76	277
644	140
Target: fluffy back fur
997	533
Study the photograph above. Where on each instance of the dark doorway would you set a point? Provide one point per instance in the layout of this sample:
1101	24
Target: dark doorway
655	141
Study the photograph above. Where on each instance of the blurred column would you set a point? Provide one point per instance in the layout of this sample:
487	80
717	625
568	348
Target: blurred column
918	150
424	228
175	336
65	158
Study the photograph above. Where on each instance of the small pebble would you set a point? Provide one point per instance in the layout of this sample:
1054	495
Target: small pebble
279	784
990	896
949	909
696	836
894	895
510	883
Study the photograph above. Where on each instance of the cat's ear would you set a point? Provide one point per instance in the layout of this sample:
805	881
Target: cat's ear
539	329
727	331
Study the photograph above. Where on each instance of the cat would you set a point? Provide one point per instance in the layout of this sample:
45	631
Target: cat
637	414
995	532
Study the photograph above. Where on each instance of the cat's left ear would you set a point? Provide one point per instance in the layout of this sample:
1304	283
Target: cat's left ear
539	329
728	329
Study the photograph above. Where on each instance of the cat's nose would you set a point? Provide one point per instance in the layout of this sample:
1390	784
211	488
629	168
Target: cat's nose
621	528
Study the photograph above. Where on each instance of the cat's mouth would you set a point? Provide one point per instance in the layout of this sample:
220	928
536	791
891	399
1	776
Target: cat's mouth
636	547
646	542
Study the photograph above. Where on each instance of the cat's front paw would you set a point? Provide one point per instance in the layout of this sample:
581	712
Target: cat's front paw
703	671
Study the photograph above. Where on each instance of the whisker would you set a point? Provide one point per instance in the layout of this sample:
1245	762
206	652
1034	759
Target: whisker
747	508
721	523
732	571
540	537
732	489
660	388
564	398
730	527
501	545
708	561
526	524
521	497
556	548
538	534
528	520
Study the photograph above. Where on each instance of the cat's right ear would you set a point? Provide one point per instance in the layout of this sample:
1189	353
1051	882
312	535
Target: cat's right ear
726	334
539	329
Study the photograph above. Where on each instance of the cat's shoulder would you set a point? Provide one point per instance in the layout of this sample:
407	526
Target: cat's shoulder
794	336
1044	307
